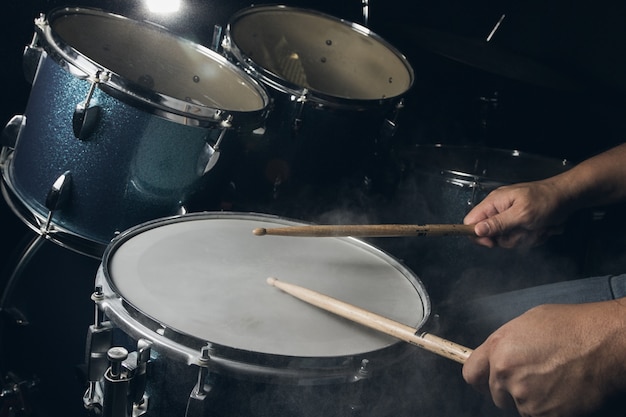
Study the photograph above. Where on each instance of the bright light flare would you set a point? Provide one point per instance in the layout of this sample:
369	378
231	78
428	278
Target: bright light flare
163	6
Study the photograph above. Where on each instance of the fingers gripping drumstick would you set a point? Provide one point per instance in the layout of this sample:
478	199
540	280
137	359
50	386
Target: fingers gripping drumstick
426	341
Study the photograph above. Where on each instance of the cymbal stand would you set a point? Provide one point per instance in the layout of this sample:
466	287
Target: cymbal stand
366	11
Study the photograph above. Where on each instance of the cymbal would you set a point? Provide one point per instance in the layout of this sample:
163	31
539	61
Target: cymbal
487	56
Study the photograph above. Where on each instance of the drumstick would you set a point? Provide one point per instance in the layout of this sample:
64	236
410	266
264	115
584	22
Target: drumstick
373	230
424	340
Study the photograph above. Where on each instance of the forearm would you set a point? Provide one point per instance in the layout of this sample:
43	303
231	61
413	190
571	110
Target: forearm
527	213
596	181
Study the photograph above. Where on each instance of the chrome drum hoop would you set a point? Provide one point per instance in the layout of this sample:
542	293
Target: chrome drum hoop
315	52
240	358
195	99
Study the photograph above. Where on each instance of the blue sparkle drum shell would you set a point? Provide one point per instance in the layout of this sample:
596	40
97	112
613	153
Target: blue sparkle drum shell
162	103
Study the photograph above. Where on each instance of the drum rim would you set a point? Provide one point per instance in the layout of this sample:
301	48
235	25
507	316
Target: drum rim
462	178
232	359
177	110
312	95
35	220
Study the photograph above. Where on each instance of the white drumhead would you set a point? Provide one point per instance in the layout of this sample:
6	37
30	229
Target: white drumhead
147	55
321	53
205	276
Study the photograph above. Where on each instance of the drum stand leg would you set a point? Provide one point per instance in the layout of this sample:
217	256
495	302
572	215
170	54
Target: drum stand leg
14	391
18	390
28	253
56	199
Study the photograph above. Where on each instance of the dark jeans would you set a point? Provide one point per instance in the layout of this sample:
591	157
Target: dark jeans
474	320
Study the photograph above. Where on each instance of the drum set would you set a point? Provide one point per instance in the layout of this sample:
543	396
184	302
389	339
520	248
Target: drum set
130	138
143	133
117	149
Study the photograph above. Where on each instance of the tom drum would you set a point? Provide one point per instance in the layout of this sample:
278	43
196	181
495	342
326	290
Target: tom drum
122	126
337	89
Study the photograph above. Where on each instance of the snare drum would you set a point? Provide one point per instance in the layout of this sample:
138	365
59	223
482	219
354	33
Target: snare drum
337	90
191	290
121	125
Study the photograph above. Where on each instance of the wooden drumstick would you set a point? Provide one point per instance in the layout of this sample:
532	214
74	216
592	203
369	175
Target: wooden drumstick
372	230
424	340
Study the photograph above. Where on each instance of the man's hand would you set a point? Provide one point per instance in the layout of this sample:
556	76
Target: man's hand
518	215
555	360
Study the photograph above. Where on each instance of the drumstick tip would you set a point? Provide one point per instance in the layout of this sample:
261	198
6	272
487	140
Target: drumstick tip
259	231
271	281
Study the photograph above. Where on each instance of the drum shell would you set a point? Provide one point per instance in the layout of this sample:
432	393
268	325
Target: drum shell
134	167
453	179
340	124
246	380
135	131
170	383
131	300
329	145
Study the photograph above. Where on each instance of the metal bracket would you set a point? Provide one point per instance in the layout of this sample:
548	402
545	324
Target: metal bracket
196	403
57	197
300	102
86	117
225	126
11	131
31	58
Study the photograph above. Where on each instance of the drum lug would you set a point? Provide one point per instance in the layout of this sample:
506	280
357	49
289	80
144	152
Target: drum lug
226	45
215	155
11	131
86	117
84	121
57	197
300	102
390	125
196	404
388	129
217	38
363	372
59	192
31	58
356	400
